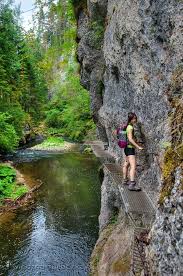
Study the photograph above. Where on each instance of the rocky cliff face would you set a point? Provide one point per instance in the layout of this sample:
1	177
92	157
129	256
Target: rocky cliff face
165	252
131	60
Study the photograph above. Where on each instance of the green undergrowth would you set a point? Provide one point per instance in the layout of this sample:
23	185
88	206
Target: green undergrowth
23	88
52	142
97	33
88	150
67	112
114	218
9	188
78	6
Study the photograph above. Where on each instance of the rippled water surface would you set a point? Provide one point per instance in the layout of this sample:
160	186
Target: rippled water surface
55	237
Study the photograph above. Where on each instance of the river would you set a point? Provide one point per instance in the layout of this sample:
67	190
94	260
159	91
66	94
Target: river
57	235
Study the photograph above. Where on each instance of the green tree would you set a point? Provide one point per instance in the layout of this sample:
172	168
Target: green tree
23	88
68	112
8	136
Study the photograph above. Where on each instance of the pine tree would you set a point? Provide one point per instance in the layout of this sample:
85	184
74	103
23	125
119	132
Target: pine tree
23	88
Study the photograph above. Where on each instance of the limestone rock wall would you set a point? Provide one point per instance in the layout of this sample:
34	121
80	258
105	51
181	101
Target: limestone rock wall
131	60
167	238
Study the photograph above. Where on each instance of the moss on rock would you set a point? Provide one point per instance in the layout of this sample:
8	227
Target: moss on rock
112	252
122	265
99	247
173	156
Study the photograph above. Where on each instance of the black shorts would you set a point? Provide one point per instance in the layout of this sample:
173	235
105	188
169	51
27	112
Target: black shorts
129	151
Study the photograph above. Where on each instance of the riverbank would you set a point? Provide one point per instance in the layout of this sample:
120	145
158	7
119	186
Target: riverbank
11	185
16	189
24	184
13	188
65	212
54	144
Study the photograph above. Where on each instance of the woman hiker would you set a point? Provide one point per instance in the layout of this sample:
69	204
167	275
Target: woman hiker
130	158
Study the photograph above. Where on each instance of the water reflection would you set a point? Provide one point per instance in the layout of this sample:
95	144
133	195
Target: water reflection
56	238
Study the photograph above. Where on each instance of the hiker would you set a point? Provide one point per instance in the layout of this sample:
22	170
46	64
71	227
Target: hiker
130	158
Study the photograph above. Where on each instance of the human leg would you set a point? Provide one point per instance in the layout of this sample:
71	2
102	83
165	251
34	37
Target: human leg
125	171
125	168
132	184
132	162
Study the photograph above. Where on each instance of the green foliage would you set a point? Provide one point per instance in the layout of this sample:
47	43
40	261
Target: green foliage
68	112
114	218
77	2
165	145
22	86
18	119
53	118
18	191
39	61
173	155
55	131
96	33
52	142
6	171
8	187
88	150
8	135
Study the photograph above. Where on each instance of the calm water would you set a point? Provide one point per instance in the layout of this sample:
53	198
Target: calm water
55	237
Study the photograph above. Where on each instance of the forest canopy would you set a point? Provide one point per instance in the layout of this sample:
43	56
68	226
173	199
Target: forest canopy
39	75
23	88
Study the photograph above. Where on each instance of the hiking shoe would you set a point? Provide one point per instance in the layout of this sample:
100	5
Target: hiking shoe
133	186
125	182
